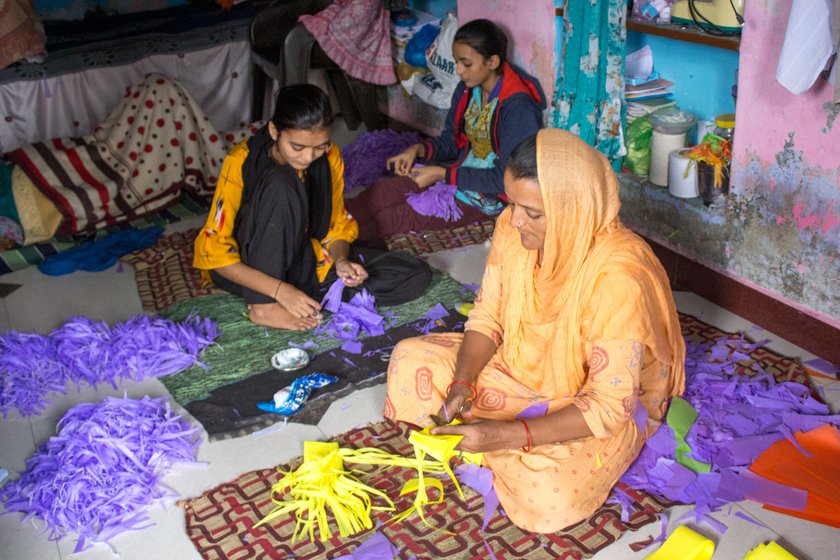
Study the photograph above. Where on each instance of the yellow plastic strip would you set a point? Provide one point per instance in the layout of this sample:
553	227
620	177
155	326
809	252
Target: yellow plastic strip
769	551
684	544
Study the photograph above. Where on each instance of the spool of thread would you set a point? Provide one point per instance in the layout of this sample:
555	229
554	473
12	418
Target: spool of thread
661	146
682	175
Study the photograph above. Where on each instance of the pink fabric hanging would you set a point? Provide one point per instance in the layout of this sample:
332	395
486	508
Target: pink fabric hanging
355	35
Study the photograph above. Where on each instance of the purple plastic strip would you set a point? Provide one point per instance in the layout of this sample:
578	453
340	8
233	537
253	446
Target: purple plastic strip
352	347
489	550
332	299
749	518
715	524
480	479
533	411
772	493
822	366
795	443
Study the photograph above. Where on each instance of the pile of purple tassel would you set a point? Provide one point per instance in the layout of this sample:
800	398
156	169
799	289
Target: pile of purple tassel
82	350
100	473
438	200
739	417
364	159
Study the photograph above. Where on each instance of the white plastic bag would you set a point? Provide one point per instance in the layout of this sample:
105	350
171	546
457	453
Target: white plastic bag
428	89
441	61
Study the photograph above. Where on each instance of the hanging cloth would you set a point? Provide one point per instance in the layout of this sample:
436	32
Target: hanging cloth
587	101
356	35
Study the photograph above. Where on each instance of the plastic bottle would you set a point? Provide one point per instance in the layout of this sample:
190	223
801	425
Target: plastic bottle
725	126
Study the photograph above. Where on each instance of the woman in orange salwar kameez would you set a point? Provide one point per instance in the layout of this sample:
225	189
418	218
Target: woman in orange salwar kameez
574	312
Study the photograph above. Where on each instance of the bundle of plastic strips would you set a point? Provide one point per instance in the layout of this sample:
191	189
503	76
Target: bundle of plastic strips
321	482
83	350
437	200
359	315
100	473
442	449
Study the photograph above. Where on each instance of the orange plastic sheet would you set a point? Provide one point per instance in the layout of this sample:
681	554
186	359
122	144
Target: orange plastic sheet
818	474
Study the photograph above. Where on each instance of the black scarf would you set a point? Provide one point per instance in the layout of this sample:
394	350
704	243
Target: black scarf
317	181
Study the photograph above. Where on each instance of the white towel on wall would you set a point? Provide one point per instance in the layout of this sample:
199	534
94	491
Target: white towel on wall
807	45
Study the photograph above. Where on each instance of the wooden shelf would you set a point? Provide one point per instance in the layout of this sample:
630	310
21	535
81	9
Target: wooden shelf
683	33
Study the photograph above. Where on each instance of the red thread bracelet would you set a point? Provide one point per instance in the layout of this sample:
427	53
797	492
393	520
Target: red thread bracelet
527	448
468	384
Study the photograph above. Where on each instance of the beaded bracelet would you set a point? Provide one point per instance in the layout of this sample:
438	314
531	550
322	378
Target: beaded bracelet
527	448
468	384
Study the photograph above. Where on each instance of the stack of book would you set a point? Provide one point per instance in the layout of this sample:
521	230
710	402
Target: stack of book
646	95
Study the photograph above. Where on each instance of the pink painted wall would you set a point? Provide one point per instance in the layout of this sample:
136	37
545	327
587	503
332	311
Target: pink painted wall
785	175
530	30
760	95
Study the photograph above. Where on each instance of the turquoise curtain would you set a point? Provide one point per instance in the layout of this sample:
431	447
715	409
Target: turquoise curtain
590	82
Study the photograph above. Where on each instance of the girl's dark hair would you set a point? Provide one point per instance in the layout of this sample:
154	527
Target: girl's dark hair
302	107
485	37
522	163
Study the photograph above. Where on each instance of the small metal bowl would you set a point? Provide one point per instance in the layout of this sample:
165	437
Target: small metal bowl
291	359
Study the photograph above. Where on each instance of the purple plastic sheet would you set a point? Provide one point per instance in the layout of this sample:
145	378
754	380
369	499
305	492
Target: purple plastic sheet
739	417
377	547
437	200
364	159
83	350
100	473
431	319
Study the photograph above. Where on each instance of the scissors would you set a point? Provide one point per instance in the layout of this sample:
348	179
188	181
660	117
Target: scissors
443	421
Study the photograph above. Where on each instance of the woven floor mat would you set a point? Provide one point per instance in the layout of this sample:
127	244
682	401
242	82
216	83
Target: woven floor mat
430	241
165	274
220	522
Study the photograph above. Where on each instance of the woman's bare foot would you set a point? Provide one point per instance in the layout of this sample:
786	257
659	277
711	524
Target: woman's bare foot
278	317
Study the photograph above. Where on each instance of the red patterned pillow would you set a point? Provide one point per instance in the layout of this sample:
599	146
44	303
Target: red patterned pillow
21	31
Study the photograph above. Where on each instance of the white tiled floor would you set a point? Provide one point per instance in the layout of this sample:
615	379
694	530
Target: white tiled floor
43	303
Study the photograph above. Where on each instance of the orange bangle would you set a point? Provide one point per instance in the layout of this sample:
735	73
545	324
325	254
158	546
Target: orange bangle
527	448
468	384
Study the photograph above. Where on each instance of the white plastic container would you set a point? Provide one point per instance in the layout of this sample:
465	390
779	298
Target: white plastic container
670	126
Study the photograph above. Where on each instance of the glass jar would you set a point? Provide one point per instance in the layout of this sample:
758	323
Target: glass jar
725	126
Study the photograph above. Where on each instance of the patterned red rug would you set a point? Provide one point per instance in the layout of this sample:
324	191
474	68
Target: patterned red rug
219	522
430	241
164	272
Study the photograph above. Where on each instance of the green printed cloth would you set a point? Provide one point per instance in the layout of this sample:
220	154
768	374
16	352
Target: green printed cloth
245	349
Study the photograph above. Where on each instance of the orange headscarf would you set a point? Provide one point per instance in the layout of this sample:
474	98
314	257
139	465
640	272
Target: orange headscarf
598	280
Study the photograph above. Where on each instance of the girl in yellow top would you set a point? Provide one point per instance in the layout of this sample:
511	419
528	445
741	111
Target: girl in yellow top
278	233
